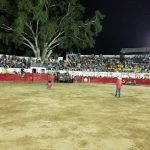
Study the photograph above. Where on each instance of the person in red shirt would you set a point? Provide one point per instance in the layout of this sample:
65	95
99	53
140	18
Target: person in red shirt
49	84
118	87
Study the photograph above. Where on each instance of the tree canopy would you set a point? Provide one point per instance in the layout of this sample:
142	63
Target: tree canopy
43	25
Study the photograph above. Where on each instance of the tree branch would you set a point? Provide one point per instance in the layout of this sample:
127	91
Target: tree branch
35	34
31	29
77	38
55	39
68	11
28	36
50	52
37	27
90	22
50	6
5	27
52	44
29	44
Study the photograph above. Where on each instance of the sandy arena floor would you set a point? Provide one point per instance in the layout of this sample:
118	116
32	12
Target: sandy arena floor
74	117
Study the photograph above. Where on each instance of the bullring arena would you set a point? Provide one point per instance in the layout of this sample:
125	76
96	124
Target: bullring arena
83	115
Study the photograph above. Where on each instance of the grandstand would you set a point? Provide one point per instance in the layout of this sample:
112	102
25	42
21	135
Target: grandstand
76	62
127	66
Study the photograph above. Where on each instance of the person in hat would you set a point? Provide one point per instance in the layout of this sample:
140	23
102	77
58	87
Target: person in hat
118	87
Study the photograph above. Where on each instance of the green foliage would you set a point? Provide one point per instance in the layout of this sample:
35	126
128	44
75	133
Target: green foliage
43	20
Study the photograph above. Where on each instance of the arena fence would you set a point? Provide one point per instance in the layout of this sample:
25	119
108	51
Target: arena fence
37	77
81	79
27	77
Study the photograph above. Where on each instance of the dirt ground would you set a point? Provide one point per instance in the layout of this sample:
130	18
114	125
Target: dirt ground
74	117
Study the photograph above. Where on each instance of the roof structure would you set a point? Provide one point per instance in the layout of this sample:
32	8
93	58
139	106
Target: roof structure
135	50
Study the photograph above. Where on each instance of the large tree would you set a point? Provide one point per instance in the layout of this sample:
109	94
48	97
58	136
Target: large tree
43	25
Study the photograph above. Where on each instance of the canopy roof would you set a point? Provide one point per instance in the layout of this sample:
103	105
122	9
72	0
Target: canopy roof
135	50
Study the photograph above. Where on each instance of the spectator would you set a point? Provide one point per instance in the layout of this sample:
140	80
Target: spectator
118	87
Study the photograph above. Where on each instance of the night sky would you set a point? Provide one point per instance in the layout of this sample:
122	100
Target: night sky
126	25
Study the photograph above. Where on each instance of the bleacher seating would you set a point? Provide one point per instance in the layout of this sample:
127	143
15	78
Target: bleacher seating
77	62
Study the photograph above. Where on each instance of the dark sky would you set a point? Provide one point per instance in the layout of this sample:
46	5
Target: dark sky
127	24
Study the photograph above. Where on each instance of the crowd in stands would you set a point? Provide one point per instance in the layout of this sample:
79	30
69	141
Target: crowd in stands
77	62
136	63
14	62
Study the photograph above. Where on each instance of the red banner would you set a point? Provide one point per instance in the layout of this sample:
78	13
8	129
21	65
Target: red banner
80	79
37	77
28	77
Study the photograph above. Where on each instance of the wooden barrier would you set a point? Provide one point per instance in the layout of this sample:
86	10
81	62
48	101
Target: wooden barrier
80	79
42	77
28	77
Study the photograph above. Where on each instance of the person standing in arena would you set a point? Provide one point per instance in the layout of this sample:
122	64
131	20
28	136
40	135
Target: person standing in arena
49	84
118	87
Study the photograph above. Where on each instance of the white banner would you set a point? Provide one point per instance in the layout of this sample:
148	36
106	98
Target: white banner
110	74
81	73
